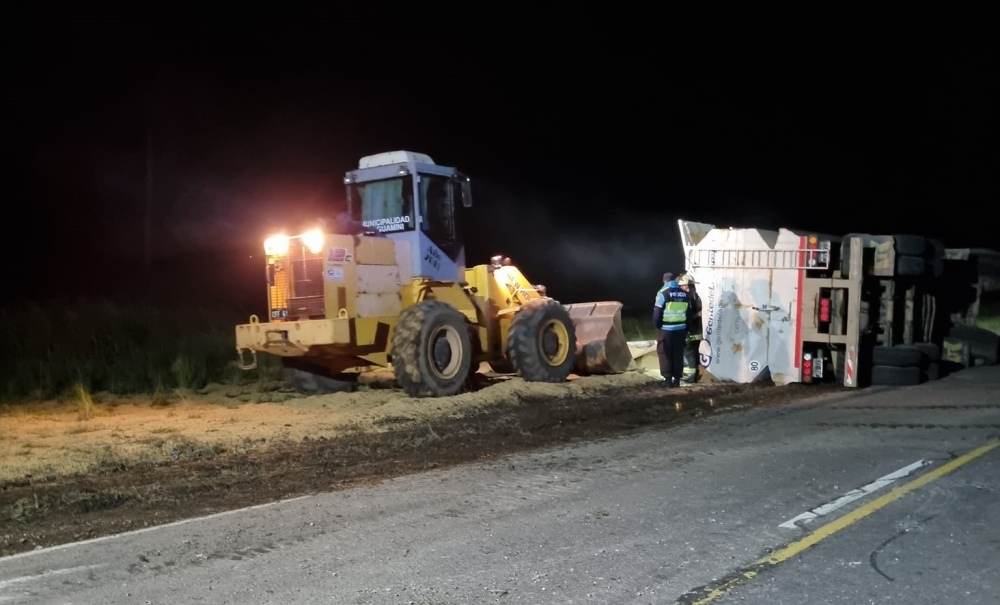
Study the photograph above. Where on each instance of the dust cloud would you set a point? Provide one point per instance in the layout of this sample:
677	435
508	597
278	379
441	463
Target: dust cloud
579	253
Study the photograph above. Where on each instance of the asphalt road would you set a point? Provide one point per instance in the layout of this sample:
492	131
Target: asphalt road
903	489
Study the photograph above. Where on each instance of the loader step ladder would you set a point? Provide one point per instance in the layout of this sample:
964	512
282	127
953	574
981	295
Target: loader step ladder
767	258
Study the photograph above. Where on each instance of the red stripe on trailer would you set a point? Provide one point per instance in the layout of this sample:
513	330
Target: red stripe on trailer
798	307
849	365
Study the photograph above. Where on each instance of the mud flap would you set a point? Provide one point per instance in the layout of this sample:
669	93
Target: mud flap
601	347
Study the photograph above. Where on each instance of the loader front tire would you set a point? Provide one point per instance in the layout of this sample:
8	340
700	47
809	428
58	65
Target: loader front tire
431	350
542	342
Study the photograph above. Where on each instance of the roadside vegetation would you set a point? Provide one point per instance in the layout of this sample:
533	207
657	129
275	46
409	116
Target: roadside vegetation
61	349
989	314
637	327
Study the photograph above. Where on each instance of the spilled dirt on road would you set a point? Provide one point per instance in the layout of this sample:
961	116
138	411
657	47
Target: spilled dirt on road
102	465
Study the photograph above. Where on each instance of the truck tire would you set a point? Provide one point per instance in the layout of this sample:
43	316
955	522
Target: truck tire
910	266
307	379
983	344
933	371
931	351
935	250
542	342
896	376
431	350
900	356
910	245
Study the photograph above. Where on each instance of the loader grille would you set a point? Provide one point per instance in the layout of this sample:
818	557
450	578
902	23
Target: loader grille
296	284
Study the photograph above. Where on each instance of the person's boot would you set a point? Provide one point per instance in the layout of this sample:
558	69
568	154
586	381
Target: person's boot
690	378
676	382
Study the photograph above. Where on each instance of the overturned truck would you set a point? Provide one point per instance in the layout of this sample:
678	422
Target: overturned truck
859	309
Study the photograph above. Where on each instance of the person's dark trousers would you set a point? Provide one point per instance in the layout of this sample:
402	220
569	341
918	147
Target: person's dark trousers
670	350
691	356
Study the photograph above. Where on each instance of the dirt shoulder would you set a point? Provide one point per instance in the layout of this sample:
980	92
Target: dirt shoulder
93	467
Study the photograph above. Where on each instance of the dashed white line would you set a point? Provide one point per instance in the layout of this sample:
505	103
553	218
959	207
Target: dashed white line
853	495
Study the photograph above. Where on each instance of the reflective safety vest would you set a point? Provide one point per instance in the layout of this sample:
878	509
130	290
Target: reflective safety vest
675	303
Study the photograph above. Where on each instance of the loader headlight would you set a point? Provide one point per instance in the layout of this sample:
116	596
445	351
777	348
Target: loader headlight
313	240
276	245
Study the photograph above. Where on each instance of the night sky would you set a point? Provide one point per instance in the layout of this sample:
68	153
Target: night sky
585	141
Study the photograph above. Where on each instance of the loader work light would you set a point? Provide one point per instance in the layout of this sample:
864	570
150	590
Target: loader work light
276	245
313	240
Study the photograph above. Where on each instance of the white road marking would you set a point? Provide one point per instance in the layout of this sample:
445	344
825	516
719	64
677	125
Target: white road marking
853	495
45	574
144	530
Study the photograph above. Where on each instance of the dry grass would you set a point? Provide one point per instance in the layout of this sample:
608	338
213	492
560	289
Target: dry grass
52	350
100	434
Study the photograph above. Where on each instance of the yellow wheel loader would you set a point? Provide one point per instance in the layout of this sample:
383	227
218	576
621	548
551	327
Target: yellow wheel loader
387	286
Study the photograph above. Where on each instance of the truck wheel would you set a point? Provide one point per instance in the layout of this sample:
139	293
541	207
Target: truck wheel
895	376
910	245
542	342
309	379
933	371
983	344
935	250
899	356
910	265
929	349
431	350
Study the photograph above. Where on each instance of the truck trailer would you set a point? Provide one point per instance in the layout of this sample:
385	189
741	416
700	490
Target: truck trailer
804	307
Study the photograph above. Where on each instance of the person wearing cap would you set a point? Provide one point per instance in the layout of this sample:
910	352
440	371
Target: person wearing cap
672	311
694	336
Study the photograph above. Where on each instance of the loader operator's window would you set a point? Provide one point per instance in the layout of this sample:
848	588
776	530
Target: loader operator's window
436	207
386	206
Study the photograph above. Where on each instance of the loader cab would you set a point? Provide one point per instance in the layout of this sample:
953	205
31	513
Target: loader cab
406	197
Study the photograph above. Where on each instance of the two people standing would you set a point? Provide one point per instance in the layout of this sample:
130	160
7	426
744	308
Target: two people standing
677	316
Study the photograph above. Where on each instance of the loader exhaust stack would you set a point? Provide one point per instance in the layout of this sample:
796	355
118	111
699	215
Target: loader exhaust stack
601	347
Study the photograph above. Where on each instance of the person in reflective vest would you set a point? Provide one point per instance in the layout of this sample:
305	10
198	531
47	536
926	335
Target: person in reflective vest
694	336
672	312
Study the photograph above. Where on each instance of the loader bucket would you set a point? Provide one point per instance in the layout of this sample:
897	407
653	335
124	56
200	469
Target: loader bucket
601	347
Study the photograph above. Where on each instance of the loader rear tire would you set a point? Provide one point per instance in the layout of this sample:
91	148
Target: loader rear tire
542	342
431	350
